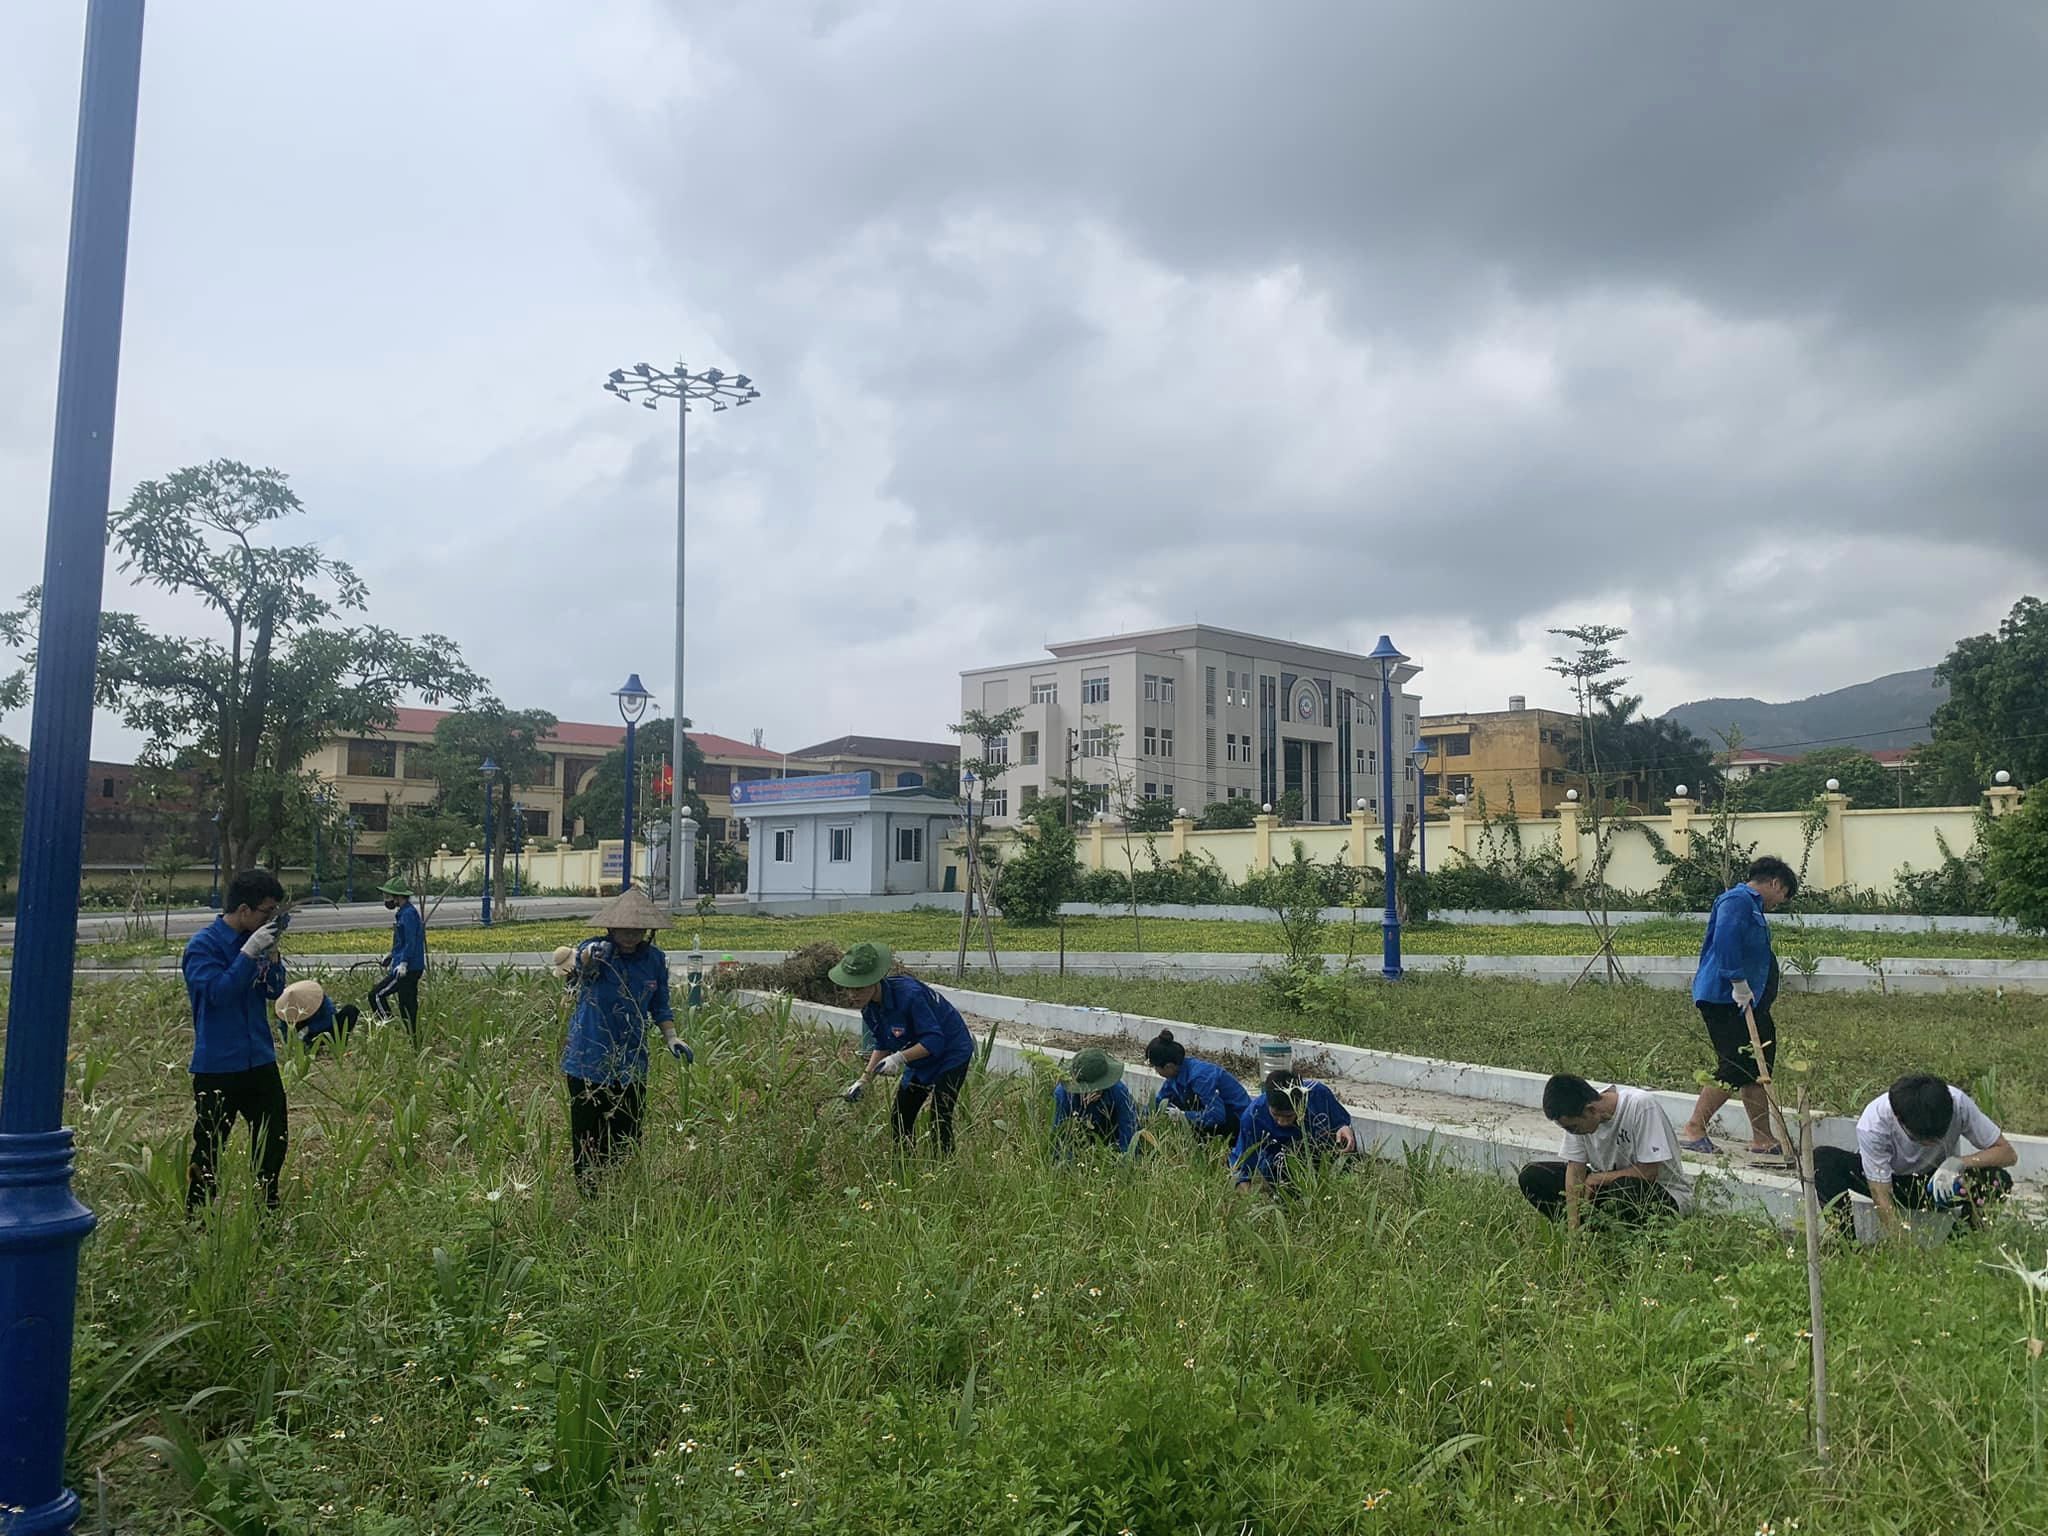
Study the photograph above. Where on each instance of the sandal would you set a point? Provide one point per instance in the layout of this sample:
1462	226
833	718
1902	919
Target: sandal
1704	1145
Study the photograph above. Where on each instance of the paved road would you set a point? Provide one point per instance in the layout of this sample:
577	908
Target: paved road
327	917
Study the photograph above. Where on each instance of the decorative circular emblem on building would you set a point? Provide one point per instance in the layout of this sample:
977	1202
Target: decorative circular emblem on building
1305	706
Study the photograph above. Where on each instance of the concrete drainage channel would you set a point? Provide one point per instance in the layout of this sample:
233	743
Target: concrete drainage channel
1664	972
1482	1119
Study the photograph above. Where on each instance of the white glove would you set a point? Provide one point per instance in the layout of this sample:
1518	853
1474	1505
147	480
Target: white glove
597	952
1174	1112
262	941
891	1065
853	1090
1945	1183
1744	996
398	969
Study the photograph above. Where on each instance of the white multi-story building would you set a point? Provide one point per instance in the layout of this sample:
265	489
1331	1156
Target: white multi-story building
1196	714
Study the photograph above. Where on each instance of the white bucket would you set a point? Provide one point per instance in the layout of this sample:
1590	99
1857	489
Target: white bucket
1275	1056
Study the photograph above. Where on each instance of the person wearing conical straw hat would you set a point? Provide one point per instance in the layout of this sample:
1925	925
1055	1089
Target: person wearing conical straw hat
621	987
911	1030
407	960
306	1007
1096	1106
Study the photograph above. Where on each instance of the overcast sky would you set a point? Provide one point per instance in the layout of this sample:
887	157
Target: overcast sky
1454	320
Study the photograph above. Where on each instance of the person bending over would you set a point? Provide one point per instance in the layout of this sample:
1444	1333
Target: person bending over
1200	1094
1294	1119
1907	1142
909	1030
1620	1155
1096	1107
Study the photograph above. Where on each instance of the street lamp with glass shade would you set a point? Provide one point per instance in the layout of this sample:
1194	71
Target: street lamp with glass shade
489	773
1418	755
1389	656
633	700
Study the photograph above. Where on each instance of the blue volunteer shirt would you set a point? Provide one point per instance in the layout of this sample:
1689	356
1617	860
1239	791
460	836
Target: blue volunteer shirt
321	1023
231	996
616	1000
1263	1143
1112	1118
1737	947
907	1012
408	941
1209	1096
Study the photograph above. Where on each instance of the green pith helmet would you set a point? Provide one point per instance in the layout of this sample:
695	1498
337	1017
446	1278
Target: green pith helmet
862	966
395	886
1095	1070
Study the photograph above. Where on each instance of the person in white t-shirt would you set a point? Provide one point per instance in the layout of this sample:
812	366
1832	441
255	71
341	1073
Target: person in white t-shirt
1907	1144
1620	1155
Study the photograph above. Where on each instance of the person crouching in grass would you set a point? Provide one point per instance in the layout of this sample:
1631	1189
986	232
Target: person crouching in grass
1620	1155
1905	1140
306	1007
1096	1107
621	987
911	1032
1295	1118
1199	1094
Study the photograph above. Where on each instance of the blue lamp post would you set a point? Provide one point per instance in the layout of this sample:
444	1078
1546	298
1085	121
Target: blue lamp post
349	892
490	772
518	838
41	1221
633	701
1419	754
213	897
1390	925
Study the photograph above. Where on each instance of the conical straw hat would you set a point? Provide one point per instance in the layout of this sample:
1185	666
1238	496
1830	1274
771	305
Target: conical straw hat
631	908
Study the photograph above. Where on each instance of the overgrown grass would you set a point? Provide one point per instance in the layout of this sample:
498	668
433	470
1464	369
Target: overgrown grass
933	930
770	1322
1858	1044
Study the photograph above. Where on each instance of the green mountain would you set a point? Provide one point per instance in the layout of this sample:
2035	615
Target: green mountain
1886	712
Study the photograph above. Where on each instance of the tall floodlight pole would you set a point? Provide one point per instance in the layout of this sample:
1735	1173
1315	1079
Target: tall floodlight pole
41	1221
721	391
1389	658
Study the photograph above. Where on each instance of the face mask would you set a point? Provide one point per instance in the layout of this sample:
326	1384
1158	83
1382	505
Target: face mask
391	904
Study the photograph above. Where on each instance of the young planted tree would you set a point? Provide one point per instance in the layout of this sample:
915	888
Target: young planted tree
985	753
282	665
1591	671
13	804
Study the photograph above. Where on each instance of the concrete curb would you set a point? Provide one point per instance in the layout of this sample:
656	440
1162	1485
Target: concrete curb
1391	1137
1853	922
1663	972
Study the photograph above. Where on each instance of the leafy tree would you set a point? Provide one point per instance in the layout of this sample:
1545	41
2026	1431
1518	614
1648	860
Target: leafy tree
512	739
1794	786
983	730
1592	672
1996	715
1153	815
1642	761
2016	863
287	669
416	833
1226	815
1040	872
942	780
1289	807
602	807
13	806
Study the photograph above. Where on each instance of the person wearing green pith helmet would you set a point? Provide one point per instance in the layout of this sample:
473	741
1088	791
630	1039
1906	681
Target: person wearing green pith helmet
906	1028
1097	1106
407	960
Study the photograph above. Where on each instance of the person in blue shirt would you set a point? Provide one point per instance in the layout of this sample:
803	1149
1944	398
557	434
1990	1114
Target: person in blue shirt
907	1029
1292	1118
1200	1094
621	983
407	961
1096	1107
232	971
306	1007
1738	974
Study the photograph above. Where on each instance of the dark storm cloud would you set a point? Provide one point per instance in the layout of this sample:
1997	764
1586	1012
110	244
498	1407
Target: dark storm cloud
1756	277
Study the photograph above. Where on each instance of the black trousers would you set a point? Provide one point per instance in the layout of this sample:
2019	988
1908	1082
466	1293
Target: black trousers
1633	1201
944	1094
604	1125
406	989
257	1096
1734	1056
1838	1172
